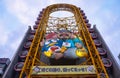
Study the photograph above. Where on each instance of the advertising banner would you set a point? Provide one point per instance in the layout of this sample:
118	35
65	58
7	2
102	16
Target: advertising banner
78	69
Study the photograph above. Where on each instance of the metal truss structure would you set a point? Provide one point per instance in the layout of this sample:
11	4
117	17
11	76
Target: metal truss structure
49	24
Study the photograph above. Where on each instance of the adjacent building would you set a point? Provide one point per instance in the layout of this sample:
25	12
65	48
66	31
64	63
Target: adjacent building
4	62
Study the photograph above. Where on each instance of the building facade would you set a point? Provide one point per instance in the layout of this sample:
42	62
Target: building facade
29	55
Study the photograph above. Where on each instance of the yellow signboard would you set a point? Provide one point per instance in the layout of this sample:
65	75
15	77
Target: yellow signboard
78	69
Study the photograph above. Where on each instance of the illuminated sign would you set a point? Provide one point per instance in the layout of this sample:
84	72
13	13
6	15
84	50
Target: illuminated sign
78	69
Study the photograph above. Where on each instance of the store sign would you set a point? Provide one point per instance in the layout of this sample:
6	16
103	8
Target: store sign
48	70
